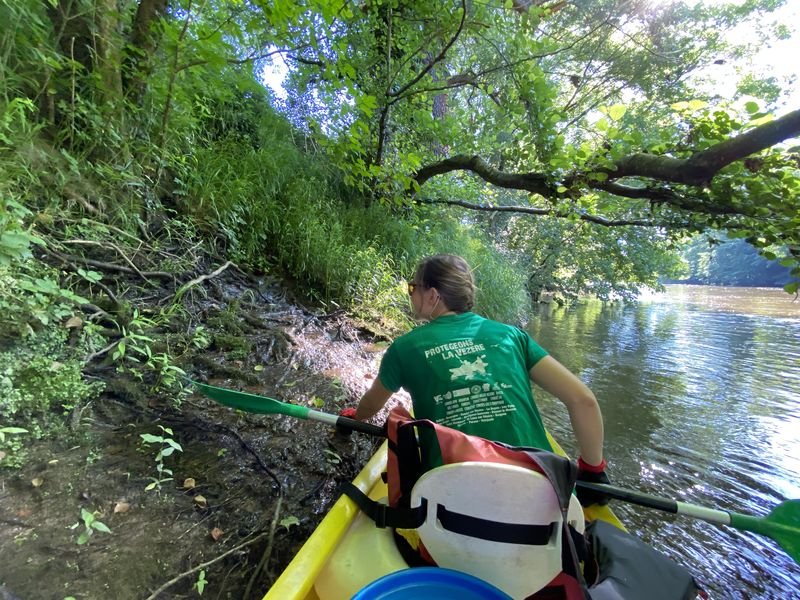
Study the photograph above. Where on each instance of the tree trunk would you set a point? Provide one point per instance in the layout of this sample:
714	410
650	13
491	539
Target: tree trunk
142	46
73	39
108	51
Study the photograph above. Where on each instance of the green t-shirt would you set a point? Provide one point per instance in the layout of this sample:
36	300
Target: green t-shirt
471	374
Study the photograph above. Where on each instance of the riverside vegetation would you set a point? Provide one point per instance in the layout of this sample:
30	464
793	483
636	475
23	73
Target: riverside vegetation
163	216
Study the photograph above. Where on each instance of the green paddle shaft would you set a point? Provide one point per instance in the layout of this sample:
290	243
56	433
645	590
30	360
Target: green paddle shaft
254	403
782	524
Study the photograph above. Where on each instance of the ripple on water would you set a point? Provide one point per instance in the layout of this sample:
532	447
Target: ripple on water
701	402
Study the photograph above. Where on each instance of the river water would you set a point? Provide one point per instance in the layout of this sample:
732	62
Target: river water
700	392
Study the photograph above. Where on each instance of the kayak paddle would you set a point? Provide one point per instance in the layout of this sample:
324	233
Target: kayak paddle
261	404
782	524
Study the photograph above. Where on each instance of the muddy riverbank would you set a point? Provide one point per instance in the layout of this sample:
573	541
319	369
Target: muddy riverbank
245	490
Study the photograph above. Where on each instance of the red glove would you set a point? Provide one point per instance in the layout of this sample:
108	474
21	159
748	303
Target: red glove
350	413
591	474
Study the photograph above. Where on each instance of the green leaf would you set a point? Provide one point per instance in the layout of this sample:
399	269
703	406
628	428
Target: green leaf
13	430
200	584
617	111
149	438
333	458
101	527
174	444
751	107
91	276
84	537
15	242
69	295
791	288
289	521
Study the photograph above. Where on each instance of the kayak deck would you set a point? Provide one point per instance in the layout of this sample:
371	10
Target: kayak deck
298	578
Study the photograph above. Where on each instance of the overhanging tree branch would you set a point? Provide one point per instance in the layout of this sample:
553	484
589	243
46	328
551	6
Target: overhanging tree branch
394	96
700	168
696	170
436	60
549	212
535	183
255	57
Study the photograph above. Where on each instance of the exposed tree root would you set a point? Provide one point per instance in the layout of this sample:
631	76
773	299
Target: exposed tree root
177	578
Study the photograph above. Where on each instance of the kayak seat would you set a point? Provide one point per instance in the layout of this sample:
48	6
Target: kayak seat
498	522
492	497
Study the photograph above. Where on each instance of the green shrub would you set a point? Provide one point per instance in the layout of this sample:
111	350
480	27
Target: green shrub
40	380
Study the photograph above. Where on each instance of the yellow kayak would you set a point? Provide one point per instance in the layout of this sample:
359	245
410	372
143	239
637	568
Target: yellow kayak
356	550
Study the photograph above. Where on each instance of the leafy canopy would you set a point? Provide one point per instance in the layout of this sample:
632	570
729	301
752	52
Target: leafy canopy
594	111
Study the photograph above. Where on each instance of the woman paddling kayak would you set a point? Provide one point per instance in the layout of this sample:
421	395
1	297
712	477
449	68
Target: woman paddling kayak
473	374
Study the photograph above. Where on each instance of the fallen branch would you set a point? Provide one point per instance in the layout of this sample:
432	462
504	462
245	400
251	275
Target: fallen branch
74	267
95	310
110	266
267	550
114	247
100	352
197	280
177	578
218	428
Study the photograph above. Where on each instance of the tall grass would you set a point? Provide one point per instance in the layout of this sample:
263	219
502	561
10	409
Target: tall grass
280	209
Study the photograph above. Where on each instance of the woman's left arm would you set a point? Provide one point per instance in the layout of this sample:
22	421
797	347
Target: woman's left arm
584	411
373	400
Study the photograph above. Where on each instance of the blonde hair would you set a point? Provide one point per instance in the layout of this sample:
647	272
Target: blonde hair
452	278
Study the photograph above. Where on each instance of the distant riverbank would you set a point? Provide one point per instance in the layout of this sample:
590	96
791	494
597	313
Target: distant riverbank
762	301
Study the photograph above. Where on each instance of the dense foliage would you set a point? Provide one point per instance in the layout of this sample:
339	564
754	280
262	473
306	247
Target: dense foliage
601	112
560	147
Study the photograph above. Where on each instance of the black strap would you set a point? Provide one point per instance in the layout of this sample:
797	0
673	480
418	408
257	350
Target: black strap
386	516
573	551
409	464
494	531
410	554
581	550
412	518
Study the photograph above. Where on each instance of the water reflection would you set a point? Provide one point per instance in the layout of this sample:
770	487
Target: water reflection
700	390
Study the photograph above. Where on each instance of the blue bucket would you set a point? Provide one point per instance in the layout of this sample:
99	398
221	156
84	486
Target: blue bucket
429	583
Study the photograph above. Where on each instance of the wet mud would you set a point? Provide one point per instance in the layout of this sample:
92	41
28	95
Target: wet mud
246	490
